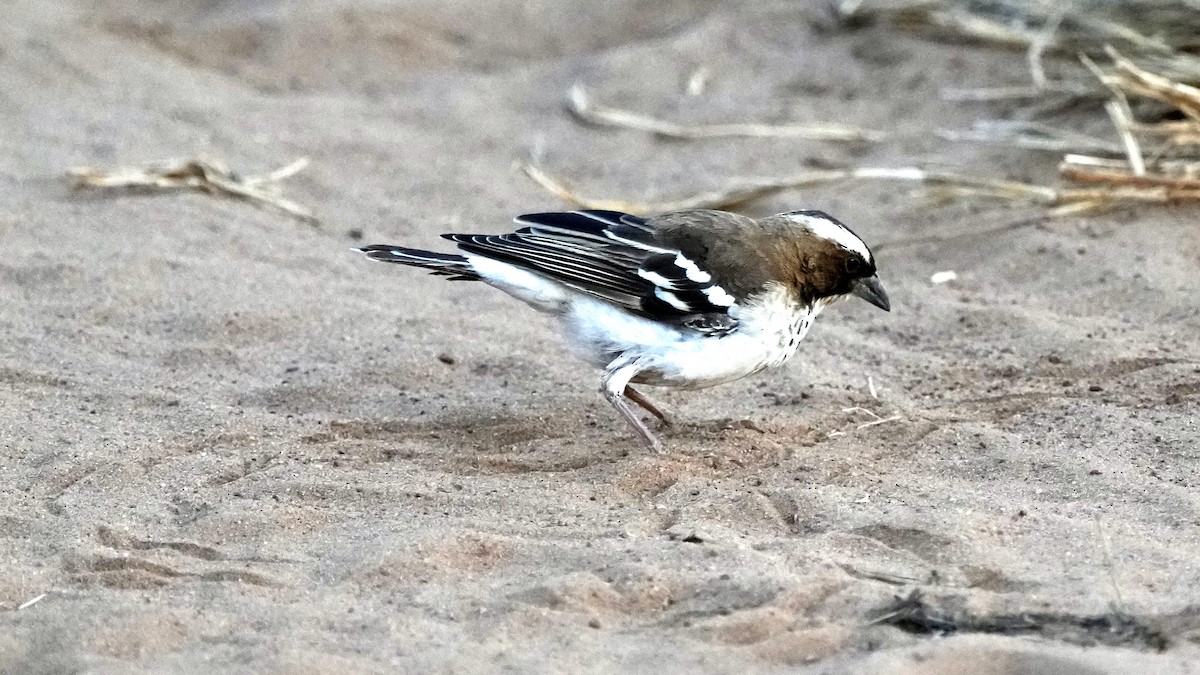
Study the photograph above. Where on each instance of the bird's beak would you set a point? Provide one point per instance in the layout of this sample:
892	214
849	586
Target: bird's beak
871	290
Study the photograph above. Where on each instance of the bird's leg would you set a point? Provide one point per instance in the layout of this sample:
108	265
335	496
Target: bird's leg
614	386
630	416
648	405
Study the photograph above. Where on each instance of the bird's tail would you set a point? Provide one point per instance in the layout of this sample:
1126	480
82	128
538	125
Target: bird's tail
445	264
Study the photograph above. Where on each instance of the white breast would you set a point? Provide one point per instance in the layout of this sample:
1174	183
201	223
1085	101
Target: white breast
769	331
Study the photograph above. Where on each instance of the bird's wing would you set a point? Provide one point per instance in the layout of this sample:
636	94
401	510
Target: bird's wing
616	257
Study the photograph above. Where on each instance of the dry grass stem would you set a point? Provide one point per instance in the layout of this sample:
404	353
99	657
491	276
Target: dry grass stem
1114	177
1184	168
1132	80
990	94
31	602
1182	132
1160	34
1155	163
1037	48
962	24
1030	135
742	190
737	192
1117	188
964	184
876	420
884	420
206	176
1122	118
1038	26
585	110
1106	550
1171	138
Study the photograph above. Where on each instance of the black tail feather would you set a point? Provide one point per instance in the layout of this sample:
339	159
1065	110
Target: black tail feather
444	264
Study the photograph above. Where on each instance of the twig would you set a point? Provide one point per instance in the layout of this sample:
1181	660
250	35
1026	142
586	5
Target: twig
1108	564
1032	135
279	174
1116	187
989	94
1122	118
747	189
963	183
1134	80
1074	201
1116	177
31	602
878	420
1090	160
1185	129
740	192
978	27
1083	25
1037	48
1173	139
893	418
202	175
582	107
1111	31
1186	168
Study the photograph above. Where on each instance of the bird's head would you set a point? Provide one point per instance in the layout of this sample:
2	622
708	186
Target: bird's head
822	259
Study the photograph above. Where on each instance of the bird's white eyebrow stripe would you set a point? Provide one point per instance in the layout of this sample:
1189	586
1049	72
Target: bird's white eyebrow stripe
833	231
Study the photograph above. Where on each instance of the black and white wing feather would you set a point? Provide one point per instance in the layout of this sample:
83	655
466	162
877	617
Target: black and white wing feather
616	257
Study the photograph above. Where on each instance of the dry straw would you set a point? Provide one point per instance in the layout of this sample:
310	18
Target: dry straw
203	175
580	104
1151	97
1154	159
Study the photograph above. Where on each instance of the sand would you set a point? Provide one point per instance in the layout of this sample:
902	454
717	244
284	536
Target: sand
229	443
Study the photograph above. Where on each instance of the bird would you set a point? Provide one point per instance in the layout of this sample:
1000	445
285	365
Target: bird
684	300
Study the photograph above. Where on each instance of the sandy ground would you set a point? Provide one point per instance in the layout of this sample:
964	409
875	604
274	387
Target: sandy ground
229	442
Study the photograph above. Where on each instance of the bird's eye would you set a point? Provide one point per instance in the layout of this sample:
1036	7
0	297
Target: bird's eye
853	266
